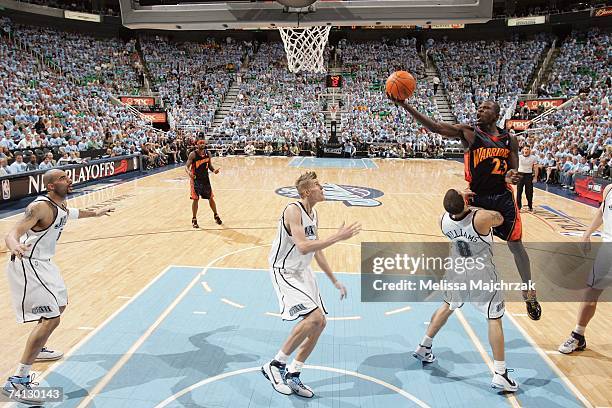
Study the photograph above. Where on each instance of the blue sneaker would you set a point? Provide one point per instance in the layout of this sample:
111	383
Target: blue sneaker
296	385
16	388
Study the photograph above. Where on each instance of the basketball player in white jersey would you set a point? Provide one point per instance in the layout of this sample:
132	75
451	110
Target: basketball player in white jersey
601	274
38	290
471	235
295	245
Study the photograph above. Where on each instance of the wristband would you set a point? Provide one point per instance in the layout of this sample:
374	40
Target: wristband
73	213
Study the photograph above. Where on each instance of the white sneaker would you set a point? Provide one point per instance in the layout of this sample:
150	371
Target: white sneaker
504	382
424	354
575	342
294	382
275	372
48	355
16	388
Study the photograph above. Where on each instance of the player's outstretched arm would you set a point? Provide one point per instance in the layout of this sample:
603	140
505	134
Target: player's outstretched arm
33	213
484	220
293	218
462	131
92	213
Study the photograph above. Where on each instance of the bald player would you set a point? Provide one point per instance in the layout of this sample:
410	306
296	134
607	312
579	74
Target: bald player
38	290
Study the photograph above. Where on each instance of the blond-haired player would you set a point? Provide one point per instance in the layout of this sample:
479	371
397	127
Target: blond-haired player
296	243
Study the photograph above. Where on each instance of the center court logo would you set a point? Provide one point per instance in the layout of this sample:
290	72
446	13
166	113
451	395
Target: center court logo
351	196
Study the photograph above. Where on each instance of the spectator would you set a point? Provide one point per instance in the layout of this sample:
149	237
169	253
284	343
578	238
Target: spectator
4	168
32	164
18	166
46	163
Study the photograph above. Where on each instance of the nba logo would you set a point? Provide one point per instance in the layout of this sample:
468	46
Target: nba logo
6	189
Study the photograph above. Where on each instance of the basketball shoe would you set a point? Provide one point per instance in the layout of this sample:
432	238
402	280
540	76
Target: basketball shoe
296	385
504	382
575	342
275	372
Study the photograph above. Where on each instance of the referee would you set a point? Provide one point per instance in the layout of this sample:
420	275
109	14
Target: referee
527	162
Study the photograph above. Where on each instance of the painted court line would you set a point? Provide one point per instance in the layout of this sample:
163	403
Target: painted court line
199	313
124	358
206	287
400	310
229	302
104	323
273	314
223	376
345	318
511	398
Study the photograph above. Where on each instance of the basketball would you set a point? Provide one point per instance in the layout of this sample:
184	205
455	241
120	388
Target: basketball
400	85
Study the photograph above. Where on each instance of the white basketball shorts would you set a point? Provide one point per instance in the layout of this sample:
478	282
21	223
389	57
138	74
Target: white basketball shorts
297	292
37	288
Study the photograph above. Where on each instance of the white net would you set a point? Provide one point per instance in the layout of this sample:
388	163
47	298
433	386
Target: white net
305	47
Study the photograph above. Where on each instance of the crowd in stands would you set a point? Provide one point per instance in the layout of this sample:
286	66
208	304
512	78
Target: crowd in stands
475	71
41	113
372	117
46	120
110	62
193	78
578	138
274	104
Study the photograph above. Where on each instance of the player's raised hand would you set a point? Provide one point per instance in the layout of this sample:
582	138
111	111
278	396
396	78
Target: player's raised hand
512	176
396	101
345	232
19	251
341	288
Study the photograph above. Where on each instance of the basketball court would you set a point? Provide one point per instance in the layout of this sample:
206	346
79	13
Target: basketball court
161	314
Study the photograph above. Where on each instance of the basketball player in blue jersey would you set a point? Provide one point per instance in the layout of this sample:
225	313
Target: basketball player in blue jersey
198	165
296	243
37	288
491	164
470	232
601	275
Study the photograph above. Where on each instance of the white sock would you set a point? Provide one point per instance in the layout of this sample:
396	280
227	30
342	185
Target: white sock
23	370
580	330
295	366
499	366
427	341
281	357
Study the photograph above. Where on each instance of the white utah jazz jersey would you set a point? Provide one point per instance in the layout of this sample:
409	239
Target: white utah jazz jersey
284	254
466	241
42	243
607	217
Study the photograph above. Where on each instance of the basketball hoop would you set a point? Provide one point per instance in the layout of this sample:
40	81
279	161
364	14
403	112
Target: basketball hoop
304	47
